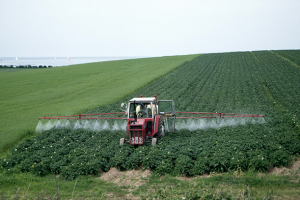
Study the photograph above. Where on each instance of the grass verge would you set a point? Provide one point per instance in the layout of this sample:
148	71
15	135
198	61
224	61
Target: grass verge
233	185
28	186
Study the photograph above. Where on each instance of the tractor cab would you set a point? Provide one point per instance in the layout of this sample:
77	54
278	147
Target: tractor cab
146	119
142	108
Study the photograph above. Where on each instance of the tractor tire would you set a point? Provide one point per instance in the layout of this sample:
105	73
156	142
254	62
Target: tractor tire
161	128
122	140
154	142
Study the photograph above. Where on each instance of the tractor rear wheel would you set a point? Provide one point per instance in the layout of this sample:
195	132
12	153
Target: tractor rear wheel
161	128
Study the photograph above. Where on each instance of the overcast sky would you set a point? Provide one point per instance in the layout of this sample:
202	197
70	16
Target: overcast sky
146	28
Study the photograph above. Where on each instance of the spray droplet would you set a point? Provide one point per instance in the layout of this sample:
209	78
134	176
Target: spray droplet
67	124
97	126
87	125
49	125
58	124
106	125
243	122
77	125
39	127
115	126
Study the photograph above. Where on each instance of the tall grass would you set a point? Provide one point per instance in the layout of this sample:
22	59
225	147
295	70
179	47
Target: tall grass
28	186
29	94
218	186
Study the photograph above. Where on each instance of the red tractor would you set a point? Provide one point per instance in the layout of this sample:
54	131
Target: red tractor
148	119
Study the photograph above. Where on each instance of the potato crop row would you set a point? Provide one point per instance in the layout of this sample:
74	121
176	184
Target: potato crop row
71	153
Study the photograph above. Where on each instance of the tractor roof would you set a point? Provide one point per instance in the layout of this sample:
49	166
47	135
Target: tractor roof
143	100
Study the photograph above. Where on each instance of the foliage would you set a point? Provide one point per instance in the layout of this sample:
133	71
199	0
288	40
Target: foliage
74	152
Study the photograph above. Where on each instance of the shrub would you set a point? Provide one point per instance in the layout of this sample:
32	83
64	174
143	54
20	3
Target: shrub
259	163
280	158
184	166
201	166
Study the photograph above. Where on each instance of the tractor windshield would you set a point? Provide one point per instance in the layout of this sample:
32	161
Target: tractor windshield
143	110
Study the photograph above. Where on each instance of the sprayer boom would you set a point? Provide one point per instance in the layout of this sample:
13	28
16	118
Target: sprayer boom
186	115
116	115
145	119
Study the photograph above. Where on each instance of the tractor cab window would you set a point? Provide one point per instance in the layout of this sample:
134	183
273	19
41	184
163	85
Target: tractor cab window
131	110
143	110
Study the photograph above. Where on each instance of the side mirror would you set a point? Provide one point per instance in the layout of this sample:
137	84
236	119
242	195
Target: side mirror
124	107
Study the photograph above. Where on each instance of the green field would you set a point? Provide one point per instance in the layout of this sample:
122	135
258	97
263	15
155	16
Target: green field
29	94
261	82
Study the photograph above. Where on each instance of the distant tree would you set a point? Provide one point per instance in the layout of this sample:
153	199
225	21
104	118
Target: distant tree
40	66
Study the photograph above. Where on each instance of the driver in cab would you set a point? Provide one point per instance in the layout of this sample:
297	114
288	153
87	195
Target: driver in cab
142	110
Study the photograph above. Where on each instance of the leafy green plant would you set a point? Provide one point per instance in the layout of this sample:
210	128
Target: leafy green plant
280	158
183	165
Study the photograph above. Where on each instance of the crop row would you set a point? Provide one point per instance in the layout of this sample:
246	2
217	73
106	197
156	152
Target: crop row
80	152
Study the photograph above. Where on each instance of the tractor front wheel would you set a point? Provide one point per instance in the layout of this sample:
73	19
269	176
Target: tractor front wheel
154	141
122	140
